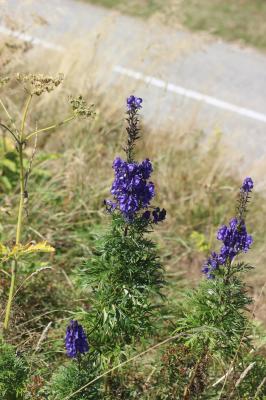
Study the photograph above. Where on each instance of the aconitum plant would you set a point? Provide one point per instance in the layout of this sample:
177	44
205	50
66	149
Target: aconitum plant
234	237
214	324
125	277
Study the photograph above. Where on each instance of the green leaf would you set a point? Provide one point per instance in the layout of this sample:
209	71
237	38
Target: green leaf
11	165
5	183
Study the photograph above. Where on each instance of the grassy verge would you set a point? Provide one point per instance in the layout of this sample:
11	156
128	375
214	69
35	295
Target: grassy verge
240	20
72	175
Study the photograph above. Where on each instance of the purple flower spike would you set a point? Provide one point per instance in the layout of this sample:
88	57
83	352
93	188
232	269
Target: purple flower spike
134	103
247	185
234	237
75	340
131	189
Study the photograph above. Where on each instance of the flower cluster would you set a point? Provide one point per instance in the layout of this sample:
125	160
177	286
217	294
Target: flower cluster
234	237
131	189
155	216
247	185
75	340
133	103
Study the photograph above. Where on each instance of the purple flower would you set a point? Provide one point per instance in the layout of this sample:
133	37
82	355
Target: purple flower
110	205
133	103
158	215
235	240
146	215
233	223
146	168
247	185
75	340
131	189
212	263
222	232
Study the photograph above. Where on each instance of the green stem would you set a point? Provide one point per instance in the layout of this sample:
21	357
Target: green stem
8	115
20	212
9	130
4	142
11	294
26	109
48	128
21	201
21	169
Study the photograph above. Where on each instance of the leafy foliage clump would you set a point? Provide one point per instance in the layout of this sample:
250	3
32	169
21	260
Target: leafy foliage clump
251	378
179	370
73	376
124	276
214	317
14	372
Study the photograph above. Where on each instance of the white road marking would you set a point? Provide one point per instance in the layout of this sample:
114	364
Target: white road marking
30	39
170	87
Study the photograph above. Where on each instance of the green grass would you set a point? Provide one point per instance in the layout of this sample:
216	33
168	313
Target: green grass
141	8
240	20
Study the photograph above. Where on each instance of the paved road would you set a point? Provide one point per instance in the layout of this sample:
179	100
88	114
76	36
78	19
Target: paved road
185	79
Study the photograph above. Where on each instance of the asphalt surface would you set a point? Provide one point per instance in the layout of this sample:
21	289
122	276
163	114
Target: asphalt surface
182	77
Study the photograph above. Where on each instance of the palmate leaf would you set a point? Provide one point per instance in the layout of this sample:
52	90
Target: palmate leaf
20	250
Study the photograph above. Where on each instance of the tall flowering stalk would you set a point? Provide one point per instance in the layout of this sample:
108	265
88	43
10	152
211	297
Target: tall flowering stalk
217	330
125	278
122	280
34	85
234	237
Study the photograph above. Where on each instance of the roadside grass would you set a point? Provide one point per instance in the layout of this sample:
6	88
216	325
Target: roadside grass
241	20
237	20
72	175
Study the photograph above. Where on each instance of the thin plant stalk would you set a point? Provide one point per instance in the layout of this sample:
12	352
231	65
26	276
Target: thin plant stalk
20	211
8	115
4	143
21	140
56	125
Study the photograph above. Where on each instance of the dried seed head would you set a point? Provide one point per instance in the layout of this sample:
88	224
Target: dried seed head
80	107
38	83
